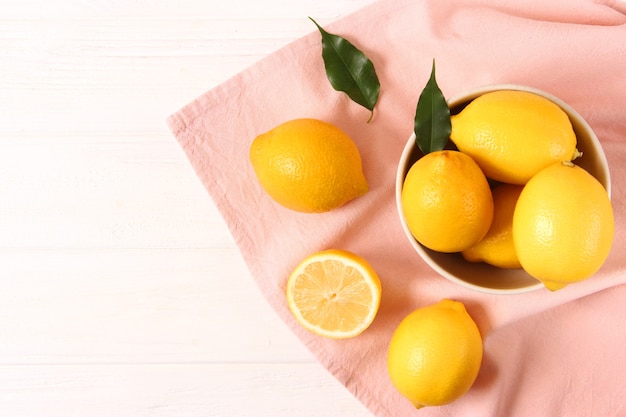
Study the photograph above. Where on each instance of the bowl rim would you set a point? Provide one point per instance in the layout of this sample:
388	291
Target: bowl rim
454	102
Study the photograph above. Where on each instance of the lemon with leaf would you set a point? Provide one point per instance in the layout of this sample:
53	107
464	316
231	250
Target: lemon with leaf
513	134
446	201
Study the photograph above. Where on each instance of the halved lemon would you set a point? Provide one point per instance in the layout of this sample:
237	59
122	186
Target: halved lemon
334	293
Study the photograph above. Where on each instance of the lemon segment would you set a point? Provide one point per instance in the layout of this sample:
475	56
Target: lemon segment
334	293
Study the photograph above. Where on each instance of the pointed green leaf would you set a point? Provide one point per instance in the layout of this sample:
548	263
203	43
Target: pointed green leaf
432	117
349	70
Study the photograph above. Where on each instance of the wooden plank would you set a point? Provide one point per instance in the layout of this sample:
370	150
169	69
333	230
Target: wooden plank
56	68
137	306
73	191
186	9
166	390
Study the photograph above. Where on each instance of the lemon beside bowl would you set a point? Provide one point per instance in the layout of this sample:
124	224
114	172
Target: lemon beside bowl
481	276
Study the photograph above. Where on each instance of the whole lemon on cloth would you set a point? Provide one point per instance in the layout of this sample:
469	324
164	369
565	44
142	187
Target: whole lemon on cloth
497	247
563	225
446	201
308	165
435	354
513	134
334	293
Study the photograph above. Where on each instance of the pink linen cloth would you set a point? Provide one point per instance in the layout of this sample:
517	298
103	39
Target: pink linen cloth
546	354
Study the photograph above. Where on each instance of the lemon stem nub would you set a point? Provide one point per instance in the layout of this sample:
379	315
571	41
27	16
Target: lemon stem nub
577	154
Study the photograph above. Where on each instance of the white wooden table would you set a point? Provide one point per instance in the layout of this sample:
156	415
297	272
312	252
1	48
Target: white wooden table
122	292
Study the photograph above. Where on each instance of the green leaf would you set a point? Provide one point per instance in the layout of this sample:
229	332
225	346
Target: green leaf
432	117
349	70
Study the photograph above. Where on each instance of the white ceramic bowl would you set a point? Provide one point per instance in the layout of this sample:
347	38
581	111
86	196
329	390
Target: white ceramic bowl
481	276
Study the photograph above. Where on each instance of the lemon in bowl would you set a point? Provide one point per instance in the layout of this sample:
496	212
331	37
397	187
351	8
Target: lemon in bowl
586	153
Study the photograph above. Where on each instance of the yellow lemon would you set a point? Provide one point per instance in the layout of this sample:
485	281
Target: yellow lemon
513	134
446	201
435	354
497	247
308	165
563	225
334	293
